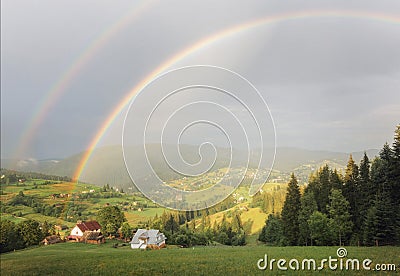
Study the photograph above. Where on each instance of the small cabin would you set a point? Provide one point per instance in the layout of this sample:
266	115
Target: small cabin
51	240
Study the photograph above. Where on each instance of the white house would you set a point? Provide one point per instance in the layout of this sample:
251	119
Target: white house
144	238
80	228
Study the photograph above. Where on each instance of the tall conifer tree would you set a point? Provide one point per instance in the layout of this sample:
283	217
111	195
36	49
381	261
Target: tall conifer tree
351	192
395	168
290	212
396	179
367	191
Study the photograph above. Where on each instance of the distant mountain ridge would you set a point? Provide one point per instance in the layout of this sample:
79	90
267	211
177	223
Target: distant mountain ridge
288	158
106	165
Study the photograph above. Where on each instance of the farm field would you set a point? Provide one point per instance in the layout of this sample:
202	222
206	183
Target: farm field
43	191
84	259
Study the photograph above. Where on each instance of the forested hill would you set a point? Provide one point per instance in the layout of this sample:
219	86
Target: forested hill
106	165
360	207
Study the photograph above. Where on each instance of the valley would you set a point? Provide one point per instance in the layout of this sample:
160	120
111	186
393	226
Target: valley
64	203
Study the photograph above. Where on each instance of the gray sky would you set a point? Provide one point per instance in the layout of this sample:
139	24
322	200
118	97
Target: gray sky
332	83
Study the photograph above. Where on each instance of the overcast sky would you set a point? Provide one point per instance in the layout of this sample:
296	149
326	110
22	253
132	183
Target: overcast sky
331	83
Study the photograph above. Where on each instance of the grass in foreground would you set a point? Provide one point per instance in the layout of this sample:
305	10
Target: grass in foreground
84	259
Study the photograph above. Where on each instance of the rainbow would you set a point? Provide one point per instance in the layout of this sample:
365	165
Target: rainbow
58	89
209	40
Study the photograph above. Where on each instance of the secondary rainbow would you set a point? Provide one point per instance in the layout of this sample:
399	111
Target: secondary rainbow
207	41
58	89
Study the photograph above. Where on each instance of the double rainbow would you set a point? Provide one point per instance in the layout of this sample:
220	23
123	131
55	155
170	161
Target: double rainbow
60	87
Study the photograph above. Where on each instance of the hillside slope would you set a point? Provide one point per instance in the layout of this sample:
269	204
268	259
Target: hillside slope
106	165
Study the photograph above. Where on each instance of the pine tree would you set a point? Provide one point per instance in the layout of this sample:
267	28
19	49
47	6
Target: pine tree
203	222
351	192
385	226
308	207
384	223
366	189
382	218
314	187
377	175
336	180
367	193
323	195
237	224
396	179
223	227
171	225
396	142
386	153
320	185
340	222
290	212
383	174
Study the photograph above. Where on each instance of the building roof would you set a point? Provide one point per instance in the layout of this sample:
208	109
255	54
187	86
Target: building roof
138	233
88	226
151	235
52	239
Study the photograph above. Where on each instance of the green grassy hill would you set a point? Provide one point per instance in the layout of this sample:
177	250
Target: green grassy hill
85	259
76	201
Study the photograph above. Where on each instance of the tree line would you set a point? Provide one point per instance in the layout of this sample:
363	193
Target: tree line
359	208
180	228
12	176
27	233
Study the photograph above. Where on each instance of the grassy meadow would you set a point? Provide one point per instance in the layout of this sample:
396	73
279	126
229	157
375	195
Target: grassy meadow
85	259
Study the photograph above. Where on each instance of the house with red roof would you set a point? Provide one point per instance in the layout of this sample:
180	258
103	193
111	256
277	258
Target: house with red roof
81	227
